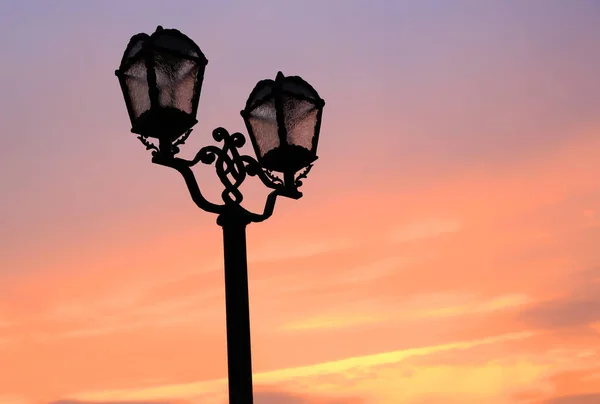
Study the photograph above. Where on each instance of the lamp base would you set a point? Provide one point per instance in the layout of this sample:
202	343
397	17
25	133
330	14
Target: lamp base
287	158
163	123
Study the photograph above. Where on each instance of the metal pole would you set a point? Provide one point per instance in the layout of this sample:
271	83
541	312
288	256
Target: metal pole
239	360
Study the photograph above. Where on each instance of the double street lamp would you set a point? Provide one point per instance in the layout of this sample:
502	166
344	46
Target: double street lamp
161	78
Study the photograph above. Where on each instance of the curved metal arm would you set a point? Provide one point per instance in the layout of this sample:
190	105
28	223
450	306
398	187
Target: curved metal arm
268	212
190	180
270	205
232	169
253	168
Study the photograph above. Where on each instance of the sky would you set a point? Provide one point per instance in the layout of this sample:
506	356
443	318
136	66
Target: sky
444	249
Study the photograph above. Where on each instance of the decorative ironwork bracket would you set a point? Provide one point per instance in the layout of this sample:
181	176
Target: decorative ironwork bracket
232	169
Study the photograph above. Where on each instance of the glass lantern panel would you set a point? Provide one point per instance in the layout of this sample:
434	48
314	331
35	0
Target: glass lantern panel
263	120
137	86
300	120
176	81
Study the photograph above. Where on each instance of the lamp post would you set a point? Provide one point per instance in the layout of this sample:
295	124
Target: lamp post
161	78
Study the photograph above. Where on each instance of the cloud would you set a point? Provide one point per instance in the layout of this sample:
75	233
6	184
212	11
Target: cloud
12	399
280	397
321	380
113	402
334	321
580	306
467	305
563	313
425	229
421	306
285	249
121	313
576	382
276	397
575	399
381	359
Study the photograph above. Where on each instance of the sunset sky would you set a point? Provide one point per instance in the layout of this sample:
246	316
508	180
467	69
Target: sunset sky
446	249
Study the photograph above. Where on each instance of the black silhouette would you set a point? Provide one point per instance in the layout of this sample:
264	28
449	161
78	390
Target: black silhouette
161	78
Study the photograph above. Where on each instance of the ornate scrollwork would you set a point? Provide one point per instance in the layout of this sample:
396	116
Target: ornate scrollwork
149	145
232	169
228	163
302	175
275	179
173	148
180	140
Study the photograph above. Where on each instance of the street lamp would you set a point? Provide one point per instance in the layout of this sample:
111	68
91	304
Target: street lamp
161	78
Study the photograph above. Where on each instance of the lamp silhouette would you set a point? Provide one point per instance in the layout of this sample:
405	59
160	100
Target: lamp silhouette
161	79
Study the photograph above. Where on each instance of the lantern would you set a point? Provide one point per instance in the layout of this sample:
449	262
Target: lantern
283	118
161	78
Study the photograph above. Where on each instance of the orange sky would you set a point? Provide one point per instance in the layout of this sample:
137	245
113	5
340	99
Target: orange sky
444	251
481	288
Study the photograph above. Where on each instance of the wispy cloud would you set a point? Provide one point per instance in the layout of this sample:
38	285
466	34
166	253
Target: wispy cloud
426	229
468	305
419	307
577	306
347	368
83	321
574	399
13	399
325	322
289	249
